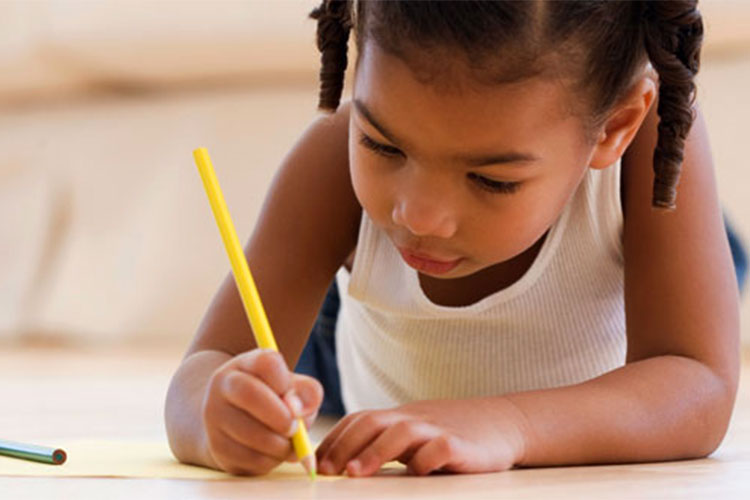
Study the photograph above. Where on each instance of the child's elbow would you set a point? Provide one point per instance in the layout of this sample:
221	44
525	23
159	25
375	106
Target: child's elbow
717	414
710	444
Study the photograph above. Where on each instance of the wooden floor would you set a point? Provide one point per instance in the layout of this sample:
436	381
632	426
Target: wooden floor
50	395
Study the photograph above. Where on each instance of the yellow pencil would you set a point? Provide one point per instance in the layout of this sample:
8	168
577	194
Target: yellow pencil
246	285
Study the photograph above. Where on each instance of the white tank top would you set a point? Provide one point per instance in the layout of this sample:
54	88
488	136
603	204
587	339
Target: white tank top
561	323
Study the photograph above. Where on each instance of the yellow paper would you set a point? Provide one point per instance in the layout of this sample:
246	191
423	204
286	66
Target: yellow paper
143	459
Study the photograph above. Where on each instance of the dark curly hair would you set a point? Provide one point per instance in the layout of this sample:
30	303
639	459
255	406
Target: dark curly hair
601	45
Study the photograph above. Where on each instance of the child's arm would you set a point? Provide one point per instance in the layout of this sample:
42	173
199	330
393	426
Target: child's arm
224	407
674	397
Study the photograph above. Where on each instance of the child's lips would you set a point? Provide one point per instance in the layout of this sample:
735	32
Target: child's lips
427	263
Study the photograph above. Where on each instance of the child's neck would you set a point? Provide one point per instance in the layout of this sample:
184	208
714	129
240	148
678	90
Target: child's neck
468	290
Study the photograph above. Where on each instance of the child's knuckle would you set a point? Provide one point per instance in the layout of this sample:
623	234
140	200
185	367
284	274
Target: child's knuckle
274	360
271	366
216	381
237	386
369	420
406	427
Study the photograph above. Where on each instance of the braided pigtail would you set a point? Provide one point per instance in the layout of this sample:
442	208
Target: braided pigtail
334	24
673	38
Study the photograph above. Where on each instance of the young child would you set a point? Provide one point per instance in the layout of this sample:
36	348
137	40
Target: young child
498	204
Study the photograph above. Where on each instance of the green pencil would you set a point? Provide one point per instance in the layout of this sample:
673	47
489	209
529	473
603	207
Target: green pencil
54	456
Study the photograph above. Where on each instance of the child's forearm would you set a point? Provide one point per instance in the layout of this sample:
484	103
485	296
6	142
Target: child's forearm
662	408
184	405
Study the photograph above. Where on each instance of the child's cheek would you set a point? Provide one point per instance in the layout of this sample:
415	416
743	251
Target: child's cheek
371	190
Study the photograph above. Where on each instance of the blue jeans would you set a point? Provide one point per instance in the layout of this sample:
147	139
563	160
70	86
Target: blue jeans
319	355
318	358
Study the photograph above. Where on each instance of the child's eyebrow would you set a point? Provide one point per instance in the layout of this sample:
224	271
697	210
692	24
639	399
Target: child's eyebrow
511	157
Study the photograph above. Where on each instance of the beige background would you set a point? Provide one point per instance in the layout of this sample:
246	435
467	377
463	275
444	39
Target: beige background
106	236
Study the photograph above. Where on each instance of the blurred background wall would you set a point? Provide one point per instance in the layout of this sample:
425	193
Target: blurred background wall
105	233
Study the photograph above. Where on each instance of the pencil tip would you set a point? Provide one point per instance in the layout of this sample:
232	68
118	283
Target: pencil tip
308	463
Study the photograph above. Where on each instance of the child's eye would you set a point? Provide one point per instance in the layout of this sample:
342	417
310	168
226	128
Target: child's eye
494	186
378	148
481	181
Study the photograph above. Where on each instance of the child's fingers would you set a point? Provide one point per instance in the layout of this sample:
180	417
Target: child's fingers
235	458
310	419
406	456
292	457
253	396
268	366
253	434
434	455
333	435
393	442
293	407
357	435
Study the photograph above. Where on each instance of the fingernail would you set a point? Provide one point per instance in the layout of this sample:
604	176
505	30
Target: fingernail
296	404
354	467
293	428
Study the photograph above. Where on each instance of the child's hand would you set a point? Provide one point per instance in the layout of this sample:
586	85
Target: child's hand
471	435
248	411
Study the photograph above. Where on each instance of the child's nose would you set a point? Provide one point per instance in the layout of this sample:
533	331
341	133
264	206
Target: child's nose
424	214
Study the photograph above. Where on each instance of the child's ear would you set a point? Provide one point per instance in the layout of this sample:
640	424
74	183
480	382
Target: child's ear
620	128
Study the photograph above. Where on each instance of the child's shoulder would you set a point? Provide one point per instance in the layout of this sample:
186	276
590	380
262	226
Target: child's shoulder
336	127
336	123
311	205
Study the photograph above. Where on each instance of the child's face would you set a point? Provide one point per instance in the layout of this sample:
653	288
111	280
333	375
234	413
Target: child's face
419	185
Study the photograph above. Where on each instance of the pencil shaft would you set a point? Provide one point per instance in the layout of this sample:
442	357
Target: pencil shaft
248	291
32	452
301	442
246	285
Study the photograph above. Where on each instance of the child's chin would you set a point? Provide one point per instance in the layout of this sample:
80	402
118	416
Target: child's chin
462	270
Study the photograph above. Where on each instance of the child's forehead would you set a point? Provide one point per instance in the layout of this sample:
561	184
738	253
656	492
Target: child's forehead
401	94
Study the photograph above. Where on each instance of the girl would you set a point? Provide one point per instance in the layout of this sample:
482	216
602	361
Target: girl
519	285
